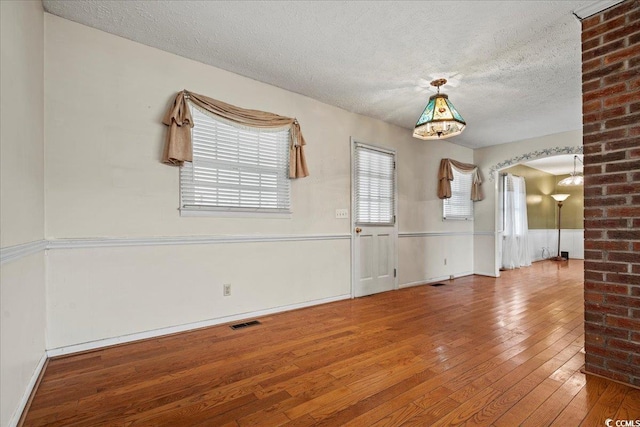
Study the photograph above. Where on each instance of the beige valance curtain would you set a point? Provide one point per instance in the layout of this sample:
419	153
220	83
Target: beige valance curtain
445	176
178	147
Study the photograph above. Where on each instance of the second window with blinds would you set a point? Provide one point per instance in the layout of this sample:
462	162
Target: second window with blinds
374	186
459	206
236	170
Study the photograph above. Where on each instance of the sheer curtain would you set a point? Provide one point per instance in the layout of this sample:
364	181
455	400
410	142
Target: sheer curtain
515	244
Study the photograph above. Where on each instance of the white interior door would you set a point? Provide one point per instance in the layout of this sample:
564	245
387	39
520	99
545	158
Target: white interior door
374	219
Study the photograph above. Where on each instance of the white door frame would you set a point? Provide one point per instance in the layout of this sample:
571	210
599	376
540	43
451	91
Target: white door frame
353	143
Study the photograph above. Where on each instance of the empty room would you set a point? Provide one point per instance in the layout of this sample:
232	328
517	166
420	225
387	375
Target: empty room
290	213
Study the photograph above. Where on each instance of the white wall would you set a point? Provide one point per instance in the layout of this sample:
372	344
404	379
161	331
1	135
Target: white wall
22	287
485	261
571	240
105	97
22	131
424	238
429	257
22	330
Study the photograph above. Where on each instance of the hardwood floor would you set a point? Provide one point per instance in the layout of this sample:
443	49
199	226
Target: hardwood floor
477	352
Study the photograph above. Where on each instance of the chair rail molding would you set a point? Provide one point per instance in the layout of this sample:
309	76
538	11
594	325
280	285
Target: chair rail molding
434	233
12	253
98	242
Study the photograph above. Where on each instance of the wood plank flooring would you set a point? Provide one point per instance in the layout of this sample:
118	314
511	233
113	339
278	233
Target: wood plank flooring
478	351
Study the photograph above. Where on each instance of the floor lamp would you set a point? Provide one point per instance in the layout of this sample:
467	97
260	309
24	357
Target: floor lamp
559	198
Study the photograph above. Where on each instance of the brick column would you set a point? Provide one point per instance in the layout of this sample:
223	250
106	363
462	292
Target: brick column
611	138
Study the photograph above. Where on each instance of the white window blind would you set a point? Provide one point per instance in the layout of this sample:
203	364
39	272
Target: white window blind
374	186
236	168
459	205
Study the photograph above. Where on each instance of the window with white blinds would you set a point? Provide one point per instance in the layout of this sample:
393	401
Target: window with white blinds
459	205
236	168
374	186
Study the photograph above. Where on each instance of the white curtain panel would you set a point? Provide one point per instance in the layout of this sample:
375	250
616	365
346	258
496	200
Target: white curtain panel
515	244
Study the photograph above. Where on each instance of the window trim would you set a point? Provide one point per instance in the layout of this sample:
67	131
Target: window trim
394	192
221	213
233	211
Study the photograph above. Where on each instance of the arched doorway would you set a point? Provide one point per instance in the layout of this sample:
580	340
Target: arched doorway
554	163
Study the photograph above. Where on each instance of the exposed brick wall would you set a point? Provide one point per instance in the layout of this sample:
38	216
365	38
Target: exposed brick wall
611	128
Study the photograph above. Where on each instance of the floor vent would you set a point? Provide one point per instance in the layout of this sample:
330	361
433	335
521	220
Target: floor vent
245	325
438	284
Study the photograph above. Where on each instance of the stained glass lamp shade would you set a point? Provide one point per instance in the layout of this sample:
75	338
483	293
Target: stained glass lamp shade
440	119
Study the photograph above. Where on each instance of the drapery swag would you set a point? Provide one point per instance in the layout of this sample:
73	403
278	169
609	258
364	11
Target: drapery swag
445	176
178	147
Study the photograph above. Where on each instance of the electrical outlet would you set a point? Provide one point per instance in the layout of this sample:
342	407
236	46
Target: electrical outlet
226	290
342	213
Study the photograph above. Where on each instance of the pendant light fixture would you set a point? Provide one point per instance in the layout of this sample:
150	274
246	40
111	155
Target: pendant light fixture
576	178
440	119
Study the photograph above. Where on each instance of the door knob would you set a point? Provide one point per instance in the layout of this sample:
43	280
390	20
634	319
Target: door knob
358	230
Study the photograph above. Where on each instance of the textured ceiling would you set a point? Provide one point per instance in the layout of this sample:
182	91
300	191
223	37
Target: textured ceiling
515	66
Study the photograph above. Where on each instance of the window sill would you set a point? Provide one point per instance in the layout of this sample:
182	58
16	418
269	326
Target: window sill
233	214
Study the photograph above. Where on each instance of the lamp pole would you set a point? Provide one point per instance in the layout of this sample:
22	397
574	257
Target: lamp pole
559	198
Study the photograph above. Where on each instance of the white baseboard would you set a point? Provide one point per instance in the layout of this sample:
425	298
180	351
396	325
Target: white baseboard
15	419
93	345
433	279
485	273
